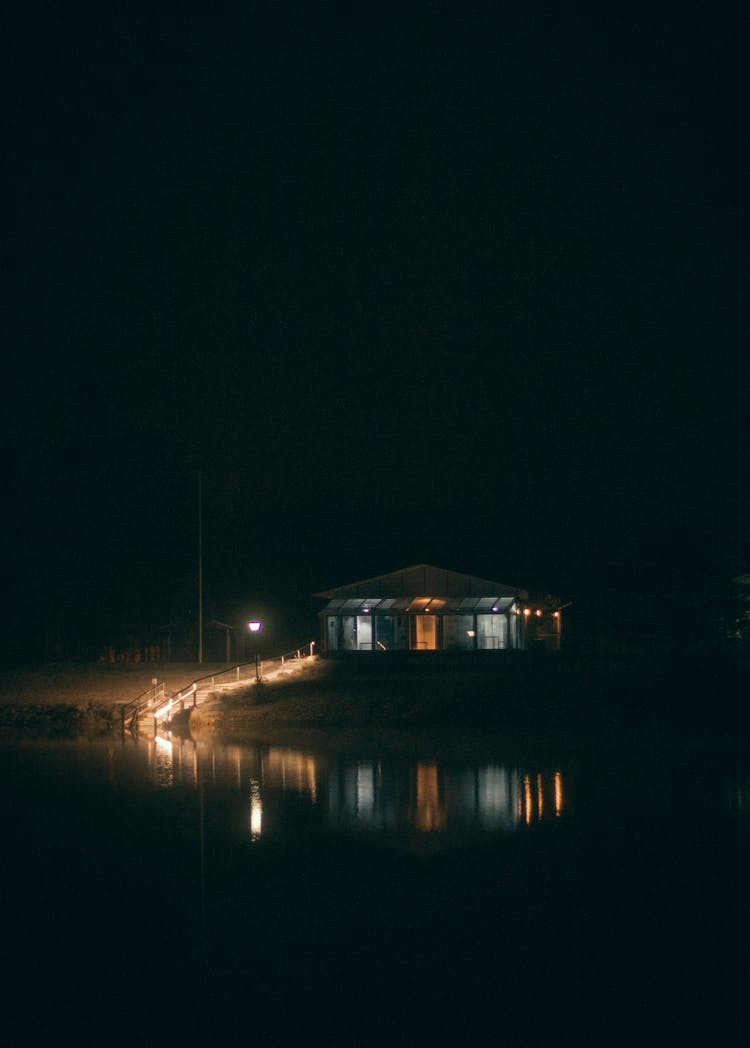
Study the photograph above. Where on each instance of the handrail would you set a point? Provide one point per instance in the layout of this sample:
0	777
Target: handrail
142	699
148	699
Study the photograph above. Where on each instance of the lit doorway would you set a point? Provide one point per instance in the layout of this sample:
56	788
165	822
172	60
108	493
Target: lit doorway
425	633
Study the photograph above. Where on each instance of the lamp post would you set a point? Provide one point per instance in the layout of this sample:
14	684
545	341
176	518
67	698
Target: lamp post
255	627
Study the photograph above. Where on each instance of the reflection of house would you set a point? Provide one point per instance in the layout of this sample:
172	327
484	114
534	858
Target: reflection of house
433	798
423	608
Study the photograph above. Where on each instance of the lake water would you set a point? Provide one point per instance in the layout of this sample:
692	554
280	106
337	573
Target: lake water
263	894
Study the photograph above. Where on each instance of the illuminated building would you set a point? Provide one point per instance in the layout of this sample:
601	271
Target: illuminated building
424	608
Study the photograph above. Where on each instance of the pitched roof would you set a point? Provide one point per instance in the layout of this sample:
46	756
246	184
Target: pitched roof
422	580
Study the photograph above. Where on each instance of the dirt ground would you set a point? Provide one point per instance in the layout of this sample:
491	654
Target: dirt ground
100	683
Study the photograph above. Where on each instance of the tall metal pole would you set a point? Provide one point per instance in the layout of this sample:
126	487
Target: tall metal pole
200	569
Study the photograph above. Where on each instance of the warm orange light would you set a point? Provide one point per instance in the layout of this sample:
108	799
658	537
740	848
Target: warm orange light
527	799
558	793
291	770
557	614
430	813
256	810
527	611
538	612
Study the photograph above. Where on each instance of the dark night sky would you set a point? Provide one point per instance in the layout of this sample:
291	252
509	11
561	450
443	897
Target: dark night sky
467	288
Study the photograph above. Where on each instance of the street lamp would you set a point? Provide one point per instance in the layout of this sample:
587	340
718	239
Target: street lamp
255	627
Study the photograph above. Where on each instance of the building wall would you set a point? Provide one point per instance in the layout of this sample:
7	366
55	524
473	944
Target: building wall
420	632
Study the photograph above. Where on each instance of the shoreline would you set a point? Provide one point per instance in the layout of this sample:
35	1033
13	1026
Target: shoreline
610	697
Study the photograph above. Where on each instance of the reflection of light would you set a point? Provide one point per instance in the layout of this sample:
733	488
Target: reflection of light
558	793
430	814
291	770
527	799
539	798
164	761
365	789
256	810
492	797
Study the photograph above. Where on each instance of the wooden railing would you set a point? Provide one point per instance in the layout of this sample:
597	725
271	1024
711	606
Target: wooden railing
132	710
159	705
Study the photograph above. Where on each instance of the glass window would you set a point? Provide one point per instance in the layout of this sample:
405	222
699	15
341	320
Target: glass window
331	633
492	631
390	633
347	633
456	632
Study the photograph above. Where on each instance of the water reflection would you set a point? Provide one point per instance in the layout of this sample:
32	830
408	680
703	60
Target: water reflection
283	790
256	810
422	797
249	871
163	762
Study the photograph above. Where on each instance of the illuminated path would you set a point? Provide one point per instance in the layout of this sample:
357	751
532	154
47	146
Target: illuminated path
155	709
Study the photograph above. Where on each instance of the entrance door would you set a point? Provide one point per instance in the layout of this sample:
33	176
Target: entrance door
425	633
364	633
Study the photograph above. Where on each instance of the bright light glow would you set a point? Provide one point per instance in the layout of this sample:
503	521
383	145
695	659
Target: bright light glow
256	810
494	609
538	612
558	793
254	626
527	799
164	761
557	614
527	611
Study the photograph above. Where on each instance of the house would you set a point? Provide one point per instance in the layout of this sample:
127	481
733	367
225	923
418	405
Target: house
424	608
